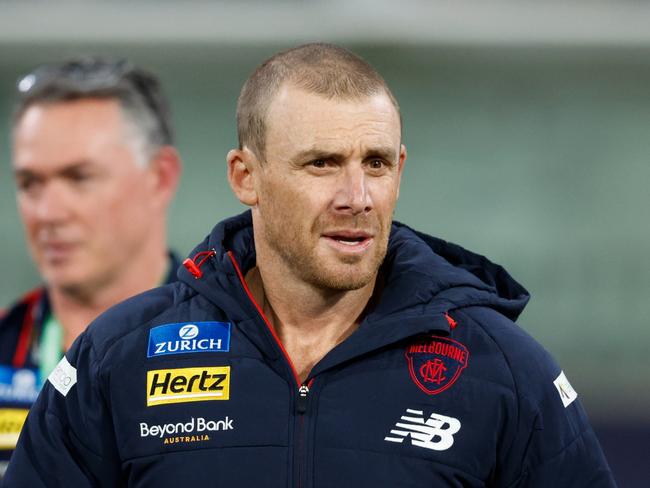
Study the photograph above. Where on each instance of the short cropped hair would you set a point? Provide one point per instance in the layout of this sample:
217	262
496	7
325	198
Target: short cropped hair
138	91
319	68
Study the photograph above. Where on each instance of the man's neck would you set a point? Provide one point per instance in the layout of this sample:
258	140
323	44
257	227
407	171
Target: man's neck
75	309
309	321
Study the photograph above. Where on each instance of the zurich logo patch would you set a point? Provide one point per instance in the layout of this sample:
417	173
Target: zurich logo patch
189	337
435	363
19	385
189	331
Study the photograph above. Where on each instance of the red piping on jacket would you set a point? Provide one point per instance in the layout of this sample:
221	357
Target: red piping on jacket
266	321
20	356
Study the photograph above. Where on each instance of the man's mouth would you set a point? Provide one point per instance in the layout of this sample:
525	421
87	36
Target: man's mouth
57	250
349	240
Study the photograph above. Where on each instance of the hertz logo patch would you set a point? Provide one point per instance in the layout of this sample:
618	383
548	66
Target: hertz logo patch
11	421
188	385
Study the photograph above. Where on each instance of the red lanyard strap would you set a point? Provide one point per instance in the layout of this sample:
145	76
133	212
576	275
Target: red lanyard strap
20	356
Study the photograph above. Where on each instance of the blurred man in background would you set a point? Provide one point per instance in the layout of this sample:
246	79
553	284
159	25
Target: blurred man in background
95	172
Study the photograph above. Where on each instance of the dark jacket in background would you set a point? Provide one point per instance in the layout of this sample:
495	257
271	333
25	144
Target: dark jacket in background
21	326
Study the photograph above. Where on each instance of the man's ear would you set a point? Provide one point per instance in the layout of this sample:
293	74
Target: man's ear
165	167
400	166
241	165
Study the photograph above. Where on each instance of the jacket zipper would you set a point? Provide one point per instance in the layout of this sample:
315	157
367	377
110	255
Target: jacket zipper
301	408
303	388
301	404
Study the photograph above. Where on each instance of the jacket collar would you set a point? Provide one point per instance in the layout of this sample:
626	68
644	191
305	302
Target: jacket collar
424	279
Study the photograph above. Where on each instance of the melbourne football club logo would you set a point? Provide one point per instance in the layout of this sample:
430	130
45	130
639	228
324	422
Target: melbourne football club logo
435	363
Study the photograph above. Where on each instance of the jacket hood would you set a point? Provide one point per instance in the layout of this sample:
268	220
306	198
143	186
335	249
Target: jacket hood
422	274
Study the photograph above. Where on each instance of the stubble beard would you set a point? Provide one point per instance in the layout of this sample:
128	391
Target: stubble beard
346	273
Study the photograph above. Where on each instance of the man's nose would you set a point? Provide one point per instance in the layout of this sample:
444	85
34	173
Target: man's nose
52	204
354	196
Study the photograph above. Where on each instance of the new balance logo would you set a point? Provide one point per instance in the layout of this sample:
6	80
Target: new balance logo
436	432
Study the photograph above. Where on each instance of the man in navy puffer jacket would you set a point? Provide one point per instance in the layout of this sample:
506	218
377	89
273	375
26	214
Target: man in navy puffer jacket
313	342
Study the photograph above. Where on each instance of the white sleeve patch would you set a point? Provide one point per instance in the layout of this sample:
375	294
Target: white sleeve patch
64	376
564	388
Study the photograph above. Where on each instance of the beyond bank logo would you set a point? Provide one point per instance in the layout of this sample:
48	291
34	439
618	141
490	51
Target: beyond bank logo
196	430
188	337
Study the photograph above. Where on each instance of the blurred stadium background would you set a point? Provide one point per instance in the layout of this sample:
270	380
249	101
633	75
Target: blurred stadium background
528	130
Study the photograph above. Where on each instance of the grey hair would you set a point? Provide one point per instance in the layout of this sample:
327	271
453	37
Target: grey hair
144	106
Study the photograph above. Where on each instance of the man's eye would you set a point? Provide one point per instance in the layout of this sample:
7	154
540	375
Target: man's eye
79	177
377	164
319	163
26	184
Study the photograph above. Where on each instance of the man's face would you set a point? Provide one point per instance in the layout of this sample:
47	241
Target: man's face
83	199
329	185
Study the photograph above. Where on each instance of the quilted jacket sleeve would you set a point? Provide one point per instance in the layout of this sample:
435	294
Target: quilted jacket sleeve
68	437
555	445
579	464
549	443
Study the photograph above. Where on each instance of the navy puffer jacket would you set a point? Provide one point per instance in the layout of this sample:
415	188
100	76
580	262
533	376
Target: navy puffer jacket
187	385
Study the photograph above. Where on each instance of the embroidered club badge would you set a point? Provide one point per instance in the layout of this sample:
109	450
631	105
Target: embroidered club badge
435	363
